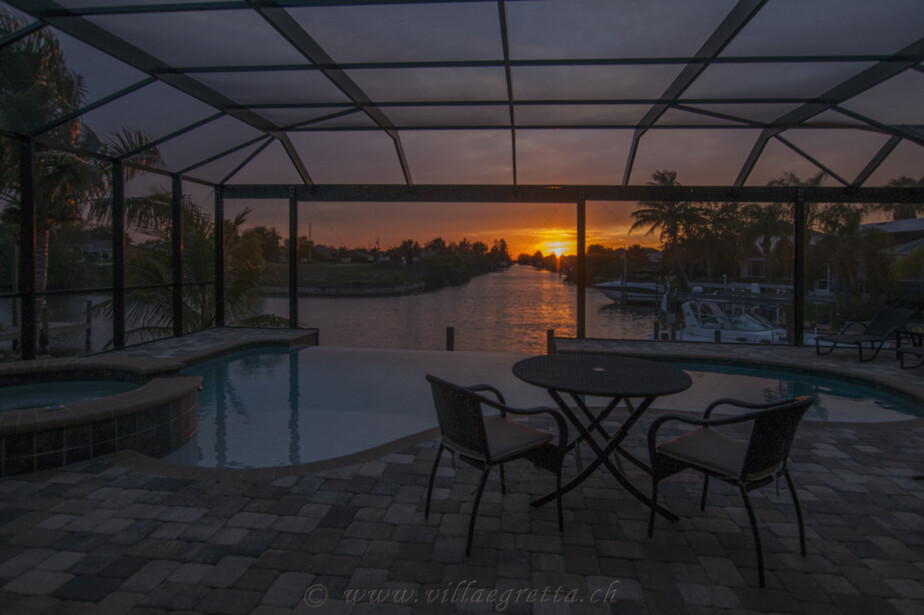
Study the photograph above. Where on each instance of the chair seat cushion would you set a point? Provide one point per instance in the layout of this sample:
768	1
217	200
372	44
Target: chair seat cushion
709	450
508	439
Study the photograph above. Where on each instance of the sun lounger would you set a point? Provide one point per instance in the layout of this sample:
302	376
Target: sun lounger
872	336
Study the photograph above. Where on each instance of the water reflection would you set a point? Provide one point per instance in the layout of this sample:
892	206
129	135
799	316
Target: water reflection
294	406
507	311
834	400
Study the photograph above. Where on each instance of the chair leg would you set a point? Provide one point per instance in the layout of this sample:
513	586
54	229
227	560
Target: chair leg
702	502
828	351
561	522
654	503
795	500
436	462
753	520
503	480
471	521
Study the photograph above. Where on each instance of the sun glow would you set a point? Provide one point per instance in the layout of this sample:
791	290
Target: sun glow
558	248
557	241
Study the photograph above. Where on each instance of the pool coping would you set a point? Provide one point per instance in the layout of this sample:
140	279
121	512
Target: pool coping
155	417
800	359
796	358
141	371
133	460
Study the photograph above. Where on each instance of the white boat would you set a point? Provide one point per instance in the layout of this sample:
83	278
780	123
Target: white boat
633	291
710	320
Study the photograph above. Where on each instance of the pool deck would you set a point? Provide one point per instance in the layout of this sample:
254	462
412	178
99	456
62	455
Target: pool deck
128	534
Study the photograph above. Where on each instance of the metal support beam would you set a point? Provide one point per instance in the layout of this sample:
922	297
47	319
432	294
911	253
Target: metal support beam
177	244
29	323
737	18
829	171
293	260
118	256
245	161
798	273
23	32
630	159
58	121
219	257
581	269
280	19
861	82
877	160
903	131
505	43
82	28
464	193
292	153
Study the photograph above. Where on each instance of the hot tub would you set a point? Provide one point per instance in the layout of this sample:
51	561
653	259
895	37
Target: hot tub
95	407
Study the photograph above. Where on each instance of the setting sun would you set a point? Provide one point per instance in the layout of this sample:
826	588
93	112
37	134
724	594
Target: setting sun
558	248
558	241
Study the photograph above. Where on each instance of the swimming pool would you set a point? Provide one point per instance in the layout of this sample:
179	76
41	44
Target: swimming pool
835	400
273	407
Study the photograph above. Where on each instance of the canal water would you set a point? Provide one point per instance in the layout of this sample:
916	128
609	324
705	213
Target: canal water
505	311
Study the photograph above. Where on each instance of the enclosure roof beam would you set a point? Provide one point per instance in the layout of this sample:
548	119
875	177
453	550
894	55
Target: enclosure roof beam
62	19
912	55
733	23
876	160
293	32
505	44
466	193
23	32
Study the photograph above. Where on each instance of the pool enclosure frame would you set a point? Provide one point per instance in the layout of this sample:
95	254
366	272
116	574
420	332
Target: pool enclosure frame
87	24
578	195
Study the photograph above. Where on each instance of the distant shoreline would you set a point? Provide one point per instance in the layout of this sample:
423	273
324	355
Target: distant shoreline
407	288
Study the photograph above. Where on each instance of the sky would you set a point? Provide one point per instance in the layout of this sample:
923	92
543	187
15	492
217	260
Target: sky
558	154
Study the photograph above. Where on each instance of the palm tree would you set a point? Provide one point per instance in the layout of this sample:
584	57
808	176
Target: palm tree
149	269
36	89
672	219
714	240
860	258
770	227
764	226
899	211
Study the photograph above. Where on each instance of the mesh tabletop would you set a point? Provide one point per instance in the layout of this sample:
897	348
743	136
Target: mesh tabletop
604	375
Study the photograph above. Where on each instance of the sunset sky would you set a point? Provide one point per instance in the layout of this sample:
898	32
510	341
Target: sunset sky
526	227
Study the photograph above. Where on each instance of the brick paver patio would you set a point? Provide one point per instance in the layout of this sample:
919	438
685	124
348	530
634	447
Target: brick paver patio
123	534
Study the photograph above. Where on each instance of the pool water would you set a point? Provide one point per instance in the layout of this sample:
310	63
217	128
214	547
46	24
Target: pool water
52	394
273	407
835	400
278	407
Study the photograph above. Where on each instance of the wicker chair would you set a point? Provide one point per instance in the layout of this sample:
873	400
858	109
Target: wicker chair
489	441
880	329
747	464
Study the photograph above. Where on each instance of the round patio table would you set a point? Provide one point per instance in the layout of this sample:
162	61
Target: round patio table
618	378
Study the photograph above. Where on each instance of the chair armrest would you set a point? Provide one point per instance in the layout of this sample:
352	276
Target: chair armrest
477	388
706	422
